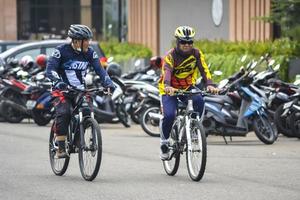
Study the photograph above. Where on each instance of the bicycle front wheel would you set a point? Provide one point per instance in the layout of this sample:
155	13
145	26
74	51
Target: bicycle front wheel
91	153
171	165
59	165
196	151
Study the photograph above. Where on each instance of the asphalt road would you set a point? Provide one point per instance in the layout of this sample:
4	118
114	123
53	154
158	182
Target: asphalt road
131	169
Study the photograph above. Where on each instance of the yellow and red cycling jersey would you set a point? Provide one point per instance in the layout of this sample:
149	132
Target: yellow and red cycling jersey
181	72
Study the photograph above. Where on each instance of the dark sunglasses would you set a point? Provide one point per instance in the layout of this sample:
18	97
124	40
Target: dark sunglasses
185	42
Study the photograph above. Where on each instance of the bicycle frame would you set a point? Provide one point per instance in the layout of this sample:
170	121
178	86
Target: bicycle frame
82	109
184	115
188	136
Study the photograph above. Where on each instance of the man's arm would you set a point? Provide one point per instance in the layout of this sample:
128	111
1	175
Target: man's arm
52	66
104	78
203	68
206	75
167	70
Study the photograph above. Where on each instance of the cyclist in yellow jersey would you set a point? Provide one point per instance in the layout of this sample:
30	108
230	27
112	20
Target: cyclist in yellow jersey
182	66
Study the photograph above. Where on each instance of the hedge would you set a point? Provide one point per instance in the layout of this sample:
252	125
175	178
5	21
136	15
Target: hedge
220	55
125	51
225	56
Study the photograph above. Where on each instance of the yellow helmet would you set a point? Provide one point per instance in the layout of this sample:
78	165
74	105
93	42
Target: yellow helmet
185	33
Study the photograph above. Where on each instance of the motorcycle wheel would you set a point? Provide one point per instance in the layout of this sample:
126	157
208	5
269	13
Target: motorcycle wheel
282	123
123	116
41	117
149	125
295	124
9	114
264	129
135	118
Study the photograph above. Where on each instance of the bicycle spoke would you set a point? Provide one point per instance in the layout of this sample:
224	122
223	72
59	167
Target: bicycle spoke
90	154
196	153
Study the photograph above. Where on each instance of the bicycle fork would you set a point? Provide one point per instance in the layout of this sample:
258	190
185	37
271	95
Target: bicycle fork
189	120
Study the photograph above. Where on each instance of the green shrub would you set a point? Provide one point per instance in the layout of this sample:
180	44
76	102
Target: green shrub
225	56
125	51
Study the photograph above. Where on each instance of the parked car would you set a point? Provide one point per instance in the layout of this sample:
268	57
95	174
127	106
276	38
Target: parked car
41	47
7	44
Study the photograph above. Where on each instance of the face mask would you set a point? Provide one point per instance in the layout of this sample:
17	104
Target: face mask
76	49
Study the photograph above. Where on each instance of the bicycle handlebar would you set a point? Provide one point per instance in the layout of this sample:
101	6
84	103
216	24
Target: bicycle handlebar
190	92
84	90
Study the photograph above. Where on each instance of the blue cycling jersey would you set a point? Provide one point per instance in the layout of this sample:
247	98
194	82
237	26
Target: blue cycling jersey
67	65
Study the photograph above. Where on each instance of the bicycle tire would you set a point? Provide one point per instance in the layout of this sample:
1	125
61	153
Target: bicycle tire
58	166
91	149
197	135
171	166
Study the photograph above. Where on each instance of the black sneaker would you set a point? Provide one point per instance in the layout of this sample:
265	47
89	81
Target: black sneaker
164	152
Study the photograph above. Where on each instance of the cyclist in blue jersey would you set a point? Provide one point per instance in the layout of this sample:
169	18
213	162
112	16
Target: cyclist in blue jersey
68	65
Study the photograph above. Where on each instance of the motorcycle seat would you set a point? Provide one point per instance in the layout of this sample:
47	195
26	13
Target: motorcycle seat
221	99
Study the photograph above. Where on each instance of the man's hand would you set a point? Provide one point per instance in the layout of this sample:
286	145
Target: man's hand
60	86
110	90
170	90
212	89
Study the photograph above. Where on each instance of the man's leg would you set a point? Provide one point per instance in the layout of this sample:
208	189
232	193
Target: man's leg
63	117
198	104
169	105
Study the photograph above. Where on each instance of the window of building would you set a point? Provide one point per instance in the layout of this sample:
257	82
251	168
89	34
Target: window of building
37	18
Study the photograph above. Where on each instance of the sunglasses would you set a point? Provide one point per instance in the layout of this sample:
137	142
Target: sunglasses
185	42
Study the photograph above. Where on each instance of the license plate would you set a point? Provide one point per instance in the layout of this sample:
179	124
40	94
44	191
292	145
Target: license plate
30	104
287	105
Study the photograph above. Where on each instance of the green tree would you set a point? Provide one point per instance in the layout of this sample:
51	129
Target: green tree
286	14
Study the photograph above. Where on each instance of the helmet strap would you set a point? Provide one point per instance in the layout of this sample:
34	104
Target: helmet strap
81	46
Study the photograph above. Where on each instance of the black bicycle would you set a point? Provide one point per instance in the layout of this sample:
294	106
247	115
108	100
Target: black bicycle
84	136
187	135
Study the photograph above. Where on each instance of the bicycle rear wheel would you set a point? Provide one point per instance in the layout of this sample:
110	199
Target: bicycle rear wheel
171	165
90	155
196	151
59	166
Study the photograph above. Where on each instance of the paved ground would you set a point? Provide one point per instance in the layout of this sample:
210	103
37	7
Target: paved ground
131	169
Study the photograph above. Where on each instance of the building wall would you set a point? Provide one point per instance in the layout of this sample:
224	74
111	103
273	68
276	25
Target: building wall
156	30
195	13
86	12
243	26
8	20
143	26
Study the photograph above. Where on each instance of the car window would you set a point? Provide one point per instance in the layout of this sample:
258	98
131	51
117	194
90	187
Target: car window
11	45
31	52
49	50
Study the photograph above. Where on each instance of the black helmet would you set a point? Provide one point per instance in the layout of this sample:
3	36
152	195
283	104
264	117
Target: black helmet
80	32
114	69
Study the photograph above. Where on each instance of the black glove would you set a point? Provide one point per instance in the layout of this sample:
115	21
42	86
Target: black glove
111	88
60	86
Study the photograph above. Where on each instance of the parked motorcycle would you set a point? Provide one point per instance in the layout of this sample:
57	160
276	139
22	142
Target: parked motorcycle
224	117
